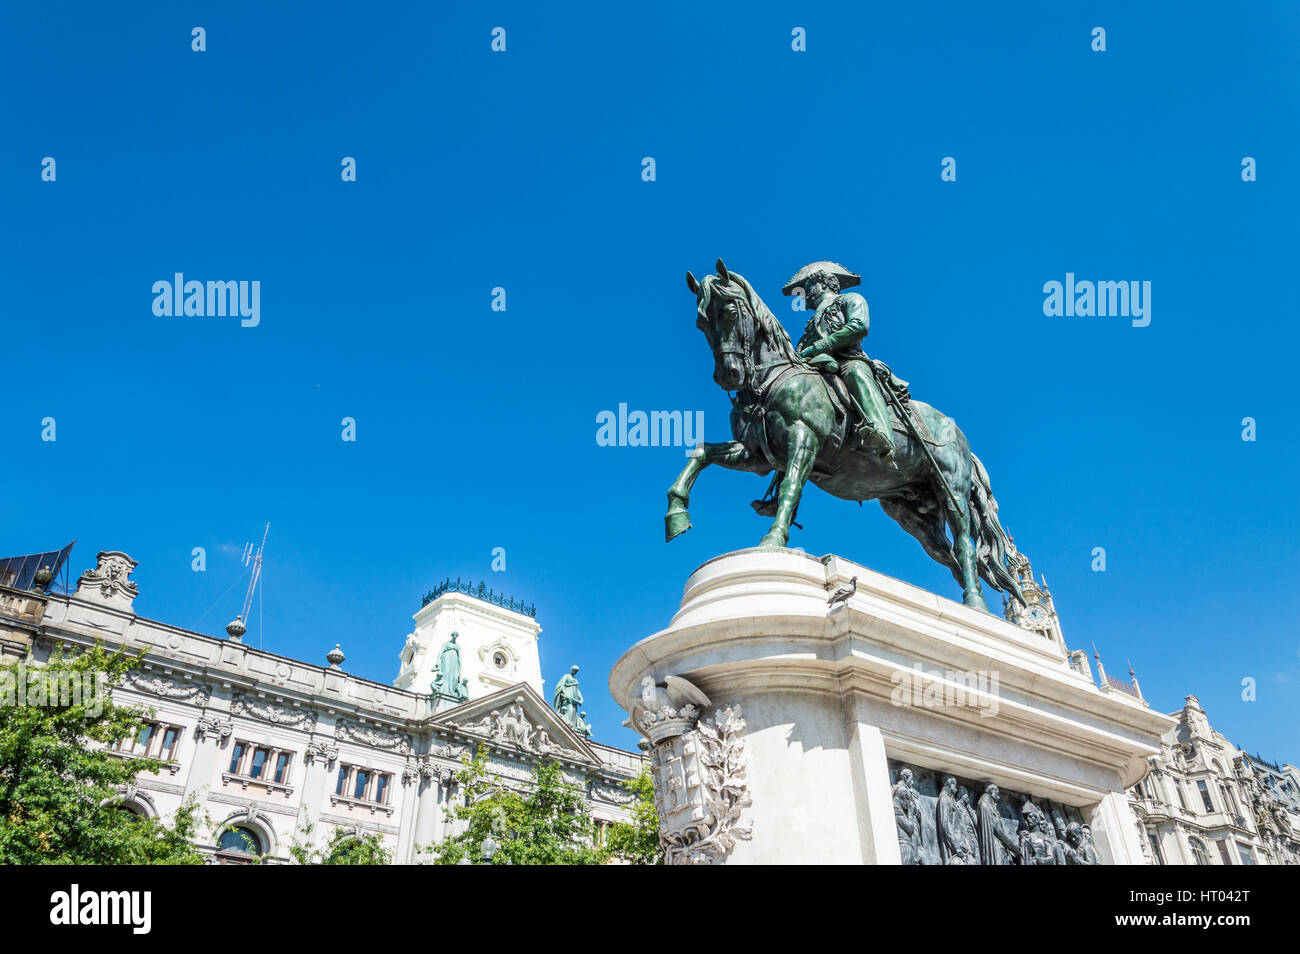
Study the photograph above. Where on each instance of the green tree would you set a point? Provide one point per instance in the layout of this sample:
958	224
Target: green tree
638	842
343	848
60	782
549	824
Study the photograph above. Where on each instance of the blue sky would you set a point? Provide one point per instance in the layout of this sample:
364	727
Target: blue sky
476	429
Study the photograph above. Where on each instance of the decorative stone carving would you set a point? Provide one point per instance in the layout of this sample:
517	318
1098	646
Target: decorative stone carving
425	768
168	688
937	824
323	751
509	726
241	704
907	816
368	735
609	792
110	580
705	790
699	767
447	751
213	727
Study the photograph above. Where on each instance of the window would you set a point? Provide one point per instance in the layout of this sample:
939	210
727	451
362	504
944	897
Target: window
1155	848
1223	851
1205	795
154	740
363	785
170	737
241	840
1178	790
1229	799
236	756
1198	851
262	763
258	763
1247	856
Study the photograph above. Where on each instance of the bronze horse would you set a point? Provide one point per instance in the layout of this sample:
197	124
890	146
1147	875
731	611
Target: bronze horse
786	418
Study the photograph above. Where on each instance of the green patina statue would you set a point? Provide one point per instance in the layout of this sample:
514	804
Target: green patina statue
448	684
568	699
826	412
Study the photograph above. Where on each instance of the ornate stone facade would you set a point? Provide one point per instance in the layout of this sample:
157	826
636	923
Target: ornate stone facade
289	752
1205	802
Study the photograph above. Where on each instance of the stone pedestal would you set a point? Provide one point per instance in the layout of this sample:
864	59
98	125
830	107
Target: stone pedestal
780	726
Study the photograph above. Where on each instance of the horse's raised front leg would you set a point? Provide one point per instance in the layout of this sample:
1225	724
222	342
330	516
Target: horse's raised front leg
801	453
731	454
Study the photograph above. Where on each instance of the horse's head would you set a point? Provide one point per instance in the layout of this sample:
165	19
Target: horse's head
726	316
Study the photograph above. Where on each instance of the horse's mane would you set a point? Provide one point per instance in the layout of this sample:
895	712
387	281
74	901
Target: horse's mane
738	289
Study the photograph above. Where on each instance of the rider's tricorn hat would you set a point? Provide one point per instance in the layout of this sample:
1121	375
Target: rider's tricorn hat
847	278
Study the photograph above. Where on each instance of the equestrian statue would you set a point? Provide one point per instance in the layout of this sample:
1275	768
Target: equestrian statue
824	411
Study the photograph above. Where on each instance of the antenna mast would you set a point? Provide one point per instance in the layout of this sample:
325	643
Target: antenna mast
256	571
239	625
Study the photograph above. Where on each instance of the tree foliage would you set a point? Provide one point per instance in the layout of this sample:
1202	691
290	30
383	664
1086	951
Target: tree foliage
548	824
60	782
343	848
638	842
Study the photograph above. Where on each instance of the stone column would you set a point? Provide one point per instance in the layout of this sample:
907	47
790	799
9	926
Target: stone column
428	818
876	828
1115	831
320	758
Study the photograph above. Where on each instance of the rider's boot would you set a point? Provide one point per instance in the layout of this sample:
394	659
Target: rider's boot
873	429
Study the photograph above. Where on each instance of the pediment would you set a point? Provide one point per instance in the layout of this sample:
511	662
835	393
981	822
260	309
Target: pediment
518	719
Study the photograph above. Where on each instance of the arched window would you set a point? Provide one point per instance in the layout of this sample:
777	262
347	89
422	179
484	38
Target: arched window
1198	851
242	841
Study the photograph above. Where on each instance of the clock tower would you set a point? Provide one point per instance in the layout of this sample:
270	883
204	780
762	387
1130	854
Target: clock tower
1038	613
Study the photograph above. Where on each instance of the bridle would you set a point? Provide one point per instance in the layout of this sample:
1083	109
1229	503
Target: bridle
746	322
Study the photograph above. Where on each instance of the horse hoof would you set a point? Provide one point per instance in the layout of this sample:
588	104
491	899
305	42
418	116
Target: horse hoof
771	542
675	524
976	602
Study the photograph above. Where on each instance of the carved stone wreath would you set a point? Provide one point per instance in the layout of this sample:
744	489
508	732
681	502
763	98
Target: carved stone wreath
703	791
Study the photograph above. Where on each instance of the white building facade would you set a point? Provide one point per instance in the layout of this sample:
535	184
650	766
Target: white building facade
1205	802
279	752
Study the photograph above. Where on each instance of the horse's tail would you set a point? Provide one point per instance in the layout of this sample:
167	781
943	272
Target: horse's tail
990	539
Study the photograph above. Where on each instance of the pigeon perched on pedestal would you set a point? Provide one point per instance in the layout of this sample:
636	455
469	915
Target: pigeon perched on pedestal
841	596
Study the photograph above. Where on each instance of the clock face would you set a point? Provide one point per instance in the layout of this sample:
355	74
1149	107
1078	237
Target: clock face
1036	615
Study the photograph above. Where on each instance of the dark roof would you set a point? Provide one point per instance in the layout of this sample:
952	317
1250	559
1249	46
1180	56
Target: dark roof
18	571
